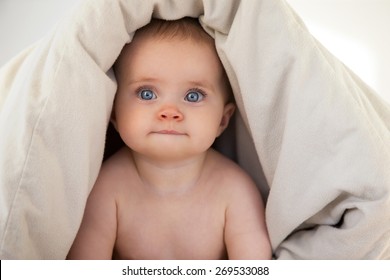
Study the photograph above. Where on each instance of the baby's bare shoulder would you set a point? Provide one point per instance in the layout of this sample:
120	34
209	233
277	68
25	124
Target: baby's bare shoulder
231	177
245	234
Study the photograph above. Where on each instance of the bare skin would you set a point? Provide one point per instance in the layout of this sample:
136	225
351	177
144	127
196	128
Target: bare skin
218	214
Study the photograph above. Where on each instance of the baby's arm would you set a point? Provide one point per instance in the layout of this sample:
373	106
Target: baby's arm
246	235
97	234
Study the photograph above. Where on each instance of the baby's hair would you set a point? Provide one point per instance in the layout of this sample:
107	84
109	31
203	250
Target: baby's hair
184	28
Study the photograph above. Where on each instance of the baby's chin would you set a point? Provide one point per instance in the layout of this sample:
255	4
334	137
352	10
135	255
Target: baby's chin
171	154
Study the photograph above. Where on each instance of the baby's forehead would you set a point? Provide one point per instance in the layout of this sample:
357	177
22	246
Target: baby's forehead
137	47
162	58
140	41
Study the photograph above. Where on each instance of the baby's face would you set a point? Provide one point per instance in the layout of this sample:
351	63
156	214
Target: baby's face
170	102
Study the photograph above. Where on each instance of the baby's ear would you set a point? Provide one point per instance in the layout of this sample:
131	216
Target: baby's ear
228	112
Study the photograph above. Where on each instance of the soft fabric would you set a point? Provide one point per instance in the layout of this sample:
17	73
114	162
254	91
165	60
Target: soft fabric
312	135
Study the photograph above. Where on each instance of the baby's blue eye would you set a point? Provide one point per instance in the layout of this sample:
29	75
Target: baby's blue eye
194	96
146	94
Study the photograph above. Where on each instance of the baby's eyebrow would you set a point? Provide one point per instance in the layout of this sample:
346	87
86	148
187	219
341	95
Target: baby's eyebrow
143	80
147	80
201	83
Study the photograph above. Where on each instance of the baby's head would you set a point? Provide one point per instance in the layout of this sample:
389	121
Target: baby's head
173	95
183	29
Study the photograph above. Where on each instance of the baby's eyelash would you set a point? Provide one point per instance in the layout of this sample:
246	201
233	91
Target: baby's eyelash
201	91
141	88
195	95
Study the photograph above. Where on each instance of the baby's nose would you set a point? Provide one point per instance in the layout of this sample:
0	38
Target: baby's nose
170	113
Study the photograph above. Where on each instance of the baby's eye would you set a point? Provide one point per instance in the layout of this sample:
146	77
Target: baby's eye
194	96
146	94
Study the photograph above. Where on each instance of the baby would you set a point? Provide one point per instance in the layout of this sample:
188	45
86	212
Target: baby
167	194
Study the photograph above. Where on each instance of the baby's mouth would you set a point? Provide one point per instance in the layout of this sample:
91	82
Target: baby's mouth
169	132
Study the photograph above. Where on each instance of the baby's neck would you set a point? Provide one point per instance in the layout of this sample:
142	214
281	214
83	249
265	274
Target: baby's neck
170	177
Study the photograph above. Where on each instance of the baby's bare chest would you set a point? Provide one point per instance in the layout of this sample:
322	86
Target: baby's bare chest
171	229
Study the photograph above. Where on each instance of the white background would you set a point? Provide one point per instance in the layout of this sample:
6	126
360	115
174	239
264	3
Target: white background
356	31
